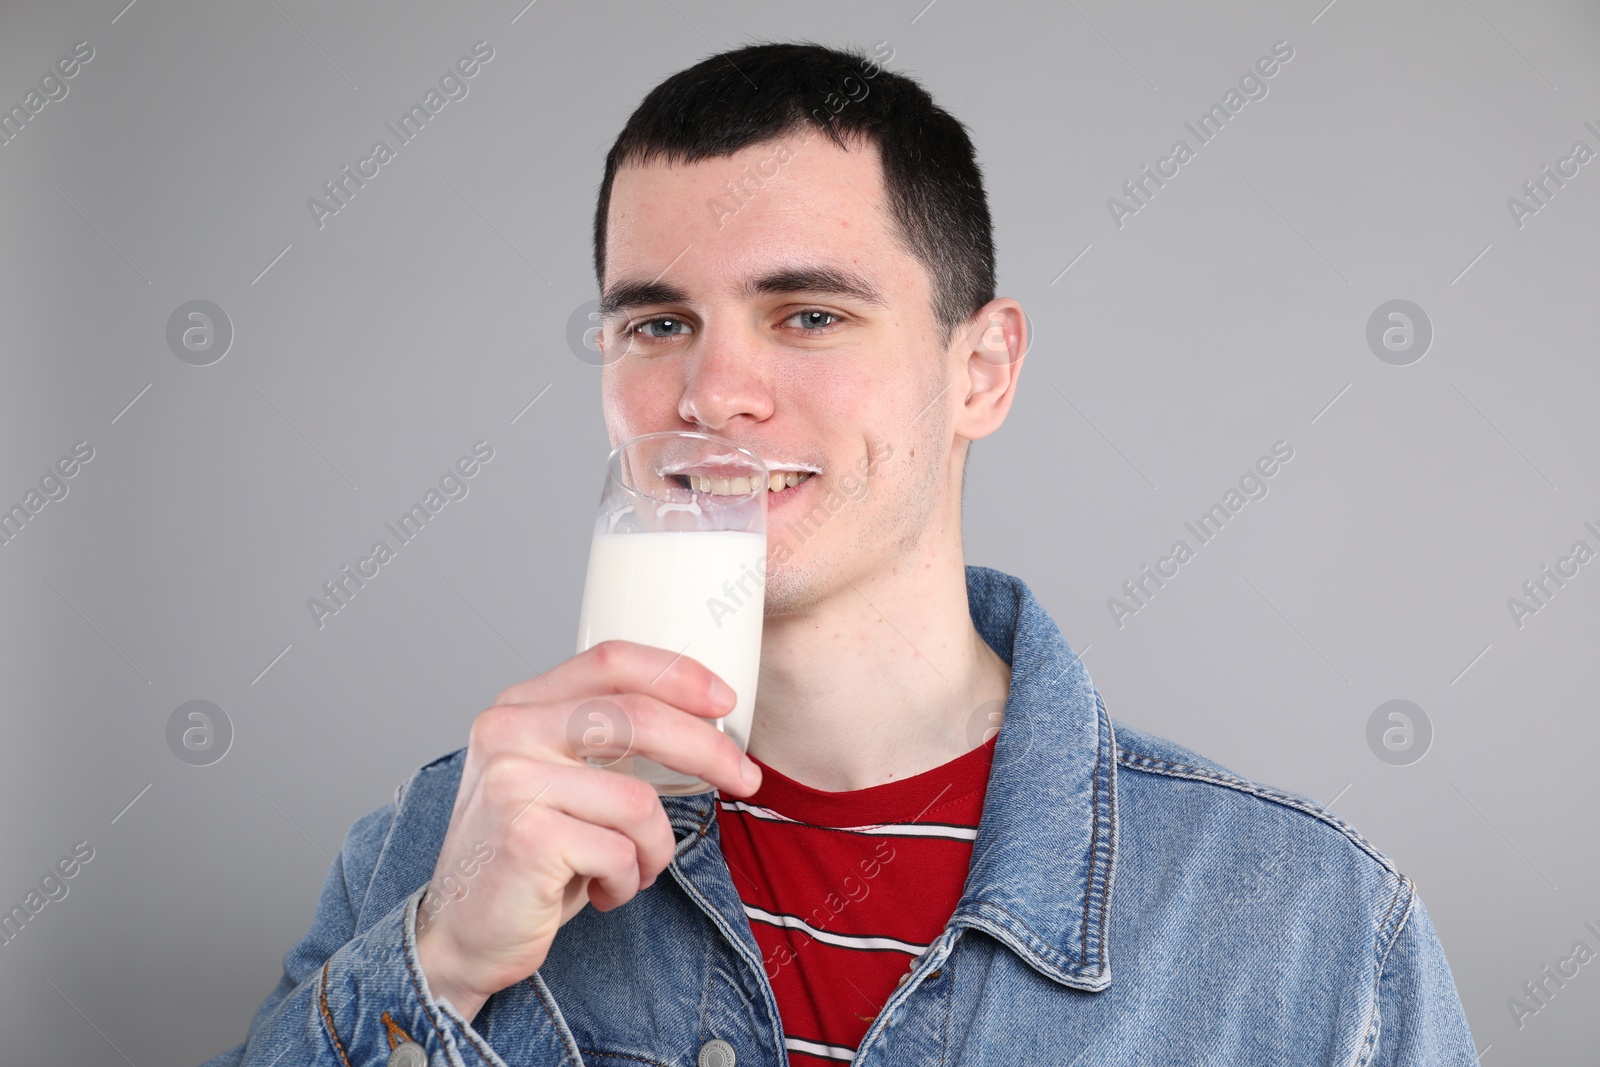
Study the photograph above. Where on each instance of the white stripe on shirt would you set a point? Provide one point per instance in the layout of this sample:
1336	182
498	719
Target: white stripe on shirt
853	941
899	829
814	1048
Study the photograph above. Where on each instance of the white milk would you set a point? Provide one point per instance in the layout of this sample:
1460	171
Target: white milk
676	589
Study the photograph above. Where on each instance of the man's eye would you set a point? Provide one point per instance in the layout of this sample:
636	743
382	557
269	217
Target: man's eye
658	328
809	320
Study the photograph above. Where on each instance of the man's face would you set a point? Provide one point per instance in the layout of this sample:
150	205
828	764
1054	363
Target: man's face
788	319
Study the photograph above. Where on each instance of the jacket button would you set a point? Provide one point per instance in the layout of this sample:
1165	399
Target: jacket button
716	1053
408	1054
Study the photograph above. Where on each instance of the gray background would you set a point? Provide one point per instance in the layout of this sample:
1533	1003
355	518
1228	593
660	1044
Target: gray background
1229	313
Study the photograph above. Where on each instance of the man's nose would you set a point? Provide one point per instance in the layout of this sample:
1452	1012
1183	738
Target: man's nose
725	377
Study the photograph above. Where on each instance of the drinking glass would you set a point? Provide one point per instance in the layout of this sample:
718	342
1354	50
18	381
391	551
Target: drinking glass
677	561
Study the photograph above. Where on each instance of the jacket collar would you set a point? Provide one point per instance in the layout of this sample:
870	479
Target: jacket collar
1042	865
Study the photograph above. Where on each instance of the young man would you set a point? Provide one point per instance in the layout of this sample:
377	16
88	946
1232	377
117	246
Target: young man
794	252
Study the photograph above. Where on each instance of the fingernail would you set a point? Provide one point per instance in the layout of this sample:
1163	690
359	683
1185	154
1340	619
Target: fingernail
750	773
721	695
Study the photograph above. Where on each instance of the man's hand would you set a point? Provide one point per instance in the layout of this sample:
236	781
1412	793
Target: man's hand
565	833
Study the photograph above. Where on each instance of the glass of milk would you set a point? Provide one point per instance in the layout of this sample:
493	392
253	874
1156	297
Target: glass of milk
678	561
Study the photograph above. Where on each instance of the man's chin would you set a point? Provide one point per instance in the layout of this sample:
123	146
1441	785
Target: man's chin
792	590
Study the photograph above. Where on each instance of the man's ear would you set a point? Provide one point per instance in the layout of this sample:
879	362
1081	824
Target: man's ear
987	356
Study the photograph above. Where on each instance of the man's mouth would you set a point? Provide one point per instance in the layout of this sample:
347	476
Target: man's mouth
739	486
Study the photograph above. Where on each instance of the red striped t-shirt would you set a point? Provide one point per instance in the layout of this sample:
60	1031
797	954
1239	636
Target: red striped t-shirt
844	890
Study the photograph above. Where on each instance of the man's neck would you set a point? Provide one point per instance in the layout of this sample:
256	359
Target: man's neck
878	684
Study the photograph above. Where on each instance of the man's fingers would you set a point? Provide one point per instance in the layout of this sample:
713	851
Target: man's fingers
627	667
608	729
576	848
619	803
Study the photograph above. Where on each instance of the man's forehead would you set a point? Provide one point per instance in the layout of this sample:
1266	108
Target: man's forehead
803	187
794	214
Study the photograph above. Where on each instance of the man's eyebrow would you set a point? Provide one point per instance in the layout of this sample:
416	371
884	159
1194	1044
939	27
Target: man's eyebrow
632	294
826	281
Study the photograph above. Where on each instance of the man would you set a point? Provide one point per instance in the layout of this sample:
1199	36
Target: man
794	252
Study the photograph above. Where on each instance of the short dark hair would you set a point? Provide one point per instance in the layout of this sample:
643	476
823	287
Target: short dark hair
759	93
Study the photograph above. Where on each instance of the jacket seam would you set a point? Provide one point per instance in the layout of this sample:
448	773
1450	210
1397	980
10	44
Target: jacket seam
623	1056
1111	840
422	1002
1169	768
1406	891
1094	858
539	996
949	989
1046	950
731	936
327	1017
361	911
416	987
1038	945
401	793
702	1033
1403	890
1042	947
394	1028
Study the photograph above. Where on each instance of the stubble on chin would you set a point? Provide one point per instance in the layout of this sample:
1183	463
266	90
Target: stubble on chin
794	587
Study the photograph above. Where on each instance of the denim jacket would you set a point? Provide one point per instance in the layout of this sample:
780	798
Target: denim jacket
1127	902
